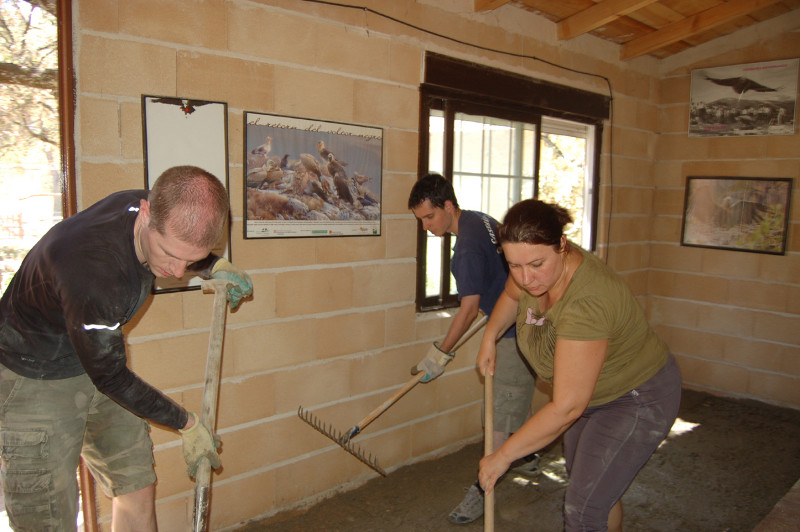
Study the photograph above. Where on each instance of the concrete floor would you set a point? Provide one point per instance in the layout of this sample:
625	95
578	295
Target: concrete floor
724	467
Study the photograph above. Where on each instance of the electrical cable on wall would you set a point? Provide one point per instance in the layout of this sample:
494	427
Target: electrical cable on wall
522	56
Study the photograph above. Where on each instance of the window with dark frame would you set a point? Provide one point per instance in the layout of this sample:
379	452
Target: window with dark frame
500	137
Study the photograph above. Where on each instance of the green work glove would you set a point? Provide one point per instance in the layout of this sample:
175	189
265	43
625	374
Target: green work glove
433	364
199	443
241	285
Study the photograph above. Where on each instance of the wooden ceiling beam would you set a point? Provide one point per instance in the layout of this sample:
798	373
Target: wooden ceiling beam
488	5
598	15
693	25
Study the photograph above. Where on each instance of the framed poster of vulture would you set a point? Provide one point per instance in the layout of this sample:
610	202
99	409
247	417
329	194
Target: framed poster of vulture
311	178
742	100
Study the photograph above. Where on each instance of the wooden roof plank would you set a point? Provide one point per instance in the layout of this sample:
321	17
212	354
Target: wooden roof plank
596	16
555	11
488	5
687	8
691	26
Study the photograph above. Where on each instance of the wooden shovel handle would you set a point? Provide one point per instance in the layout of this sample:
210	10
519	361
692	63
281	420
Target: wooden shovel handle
215	339
488	439
210	393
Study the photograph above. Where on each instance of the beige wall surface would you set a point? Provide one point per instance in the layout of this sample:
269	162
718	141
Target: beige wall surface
732	318
332	325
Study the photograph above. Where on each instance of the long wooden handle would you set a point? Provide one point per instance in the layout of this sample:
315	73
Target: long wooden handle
210	393
215	339
471	331
411	383
488	437
386	404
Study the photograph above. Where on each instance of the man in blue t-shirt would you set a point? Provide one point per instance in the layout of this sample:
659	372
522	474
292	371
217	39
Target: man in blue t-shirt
480	272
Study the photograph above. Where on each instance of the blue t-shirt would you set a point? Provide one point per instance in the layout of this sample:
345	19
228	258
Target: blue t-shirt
477	265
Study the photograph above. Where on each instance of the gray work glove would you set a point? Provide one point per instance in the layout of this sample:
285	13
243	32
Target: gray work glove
199	443
433	364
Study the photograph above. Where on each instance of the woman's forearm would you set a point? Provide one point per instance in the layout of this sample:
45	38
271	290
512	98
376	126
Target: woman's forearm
503	316
542	429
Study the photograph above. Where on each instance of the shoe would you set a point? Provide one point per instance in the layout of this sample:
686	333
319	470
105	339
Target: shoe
470	509
529	466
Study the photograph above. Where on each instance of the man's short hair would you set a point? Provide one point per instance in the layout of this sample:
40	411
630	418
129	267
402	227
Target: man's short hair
192	203
432	187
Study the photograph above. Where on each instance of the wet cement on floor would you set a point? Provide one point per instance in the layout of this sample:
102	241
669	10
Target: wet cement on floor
723	468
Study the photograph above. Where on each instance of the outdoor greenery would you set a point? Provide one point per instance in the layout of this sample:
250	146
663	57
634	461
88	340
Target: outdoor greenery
766	235
29	78
562	177
30	182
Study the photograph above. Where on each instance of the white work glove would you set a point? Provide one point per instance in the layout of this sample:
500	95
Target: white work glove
199	443
241	286
433	364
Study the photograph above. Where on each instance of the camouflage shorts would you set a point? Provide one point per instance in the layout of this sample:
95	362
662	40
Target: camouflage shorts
513	387
45	426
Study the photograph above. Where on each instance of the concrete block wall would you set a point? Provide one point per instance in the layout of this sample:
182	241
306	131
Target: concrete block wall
732	318
332	326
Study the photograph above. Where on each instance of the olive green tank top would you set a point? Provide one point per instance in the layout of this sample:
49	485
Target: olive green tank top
596	305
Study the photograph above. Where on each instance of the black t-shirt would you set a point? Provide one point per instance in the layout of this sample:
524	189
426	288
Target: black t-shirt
62	314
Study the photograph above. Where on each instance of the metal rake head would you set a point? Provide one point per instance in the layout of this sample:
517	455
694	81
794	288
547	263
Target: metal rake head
341	439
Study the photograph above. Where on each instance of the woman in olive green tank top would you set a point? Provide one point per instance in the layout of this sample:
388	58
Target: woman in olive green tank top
616	387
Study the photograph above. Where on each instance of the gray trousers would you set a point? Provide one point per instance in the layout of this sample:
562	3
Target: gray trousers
610	443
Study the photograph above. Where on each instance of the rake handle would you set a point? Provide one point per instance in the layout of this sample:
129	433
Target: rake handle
386	404
208	416
411	383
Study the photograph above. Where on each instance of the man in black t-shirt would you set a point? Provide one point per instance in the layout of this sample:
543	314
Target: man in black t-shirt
65	386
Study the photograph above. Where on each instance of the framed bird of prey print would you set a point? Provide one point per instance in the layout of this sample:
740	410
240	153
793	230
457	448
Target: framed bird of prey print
739	100
311	178
182	131
737	213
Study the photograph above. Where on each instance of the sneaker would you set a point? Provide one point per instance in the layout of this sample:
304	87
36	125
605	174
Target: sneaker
529	466
470	509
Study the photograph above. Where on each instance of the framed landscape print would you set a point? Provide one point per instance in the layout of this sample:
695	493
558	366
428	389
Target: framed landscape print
738	213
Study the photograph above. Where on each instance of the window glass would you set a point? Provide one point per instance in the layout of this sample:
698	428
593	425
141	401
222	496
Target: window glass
433	273
30	178
501	157
563	171
436	142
